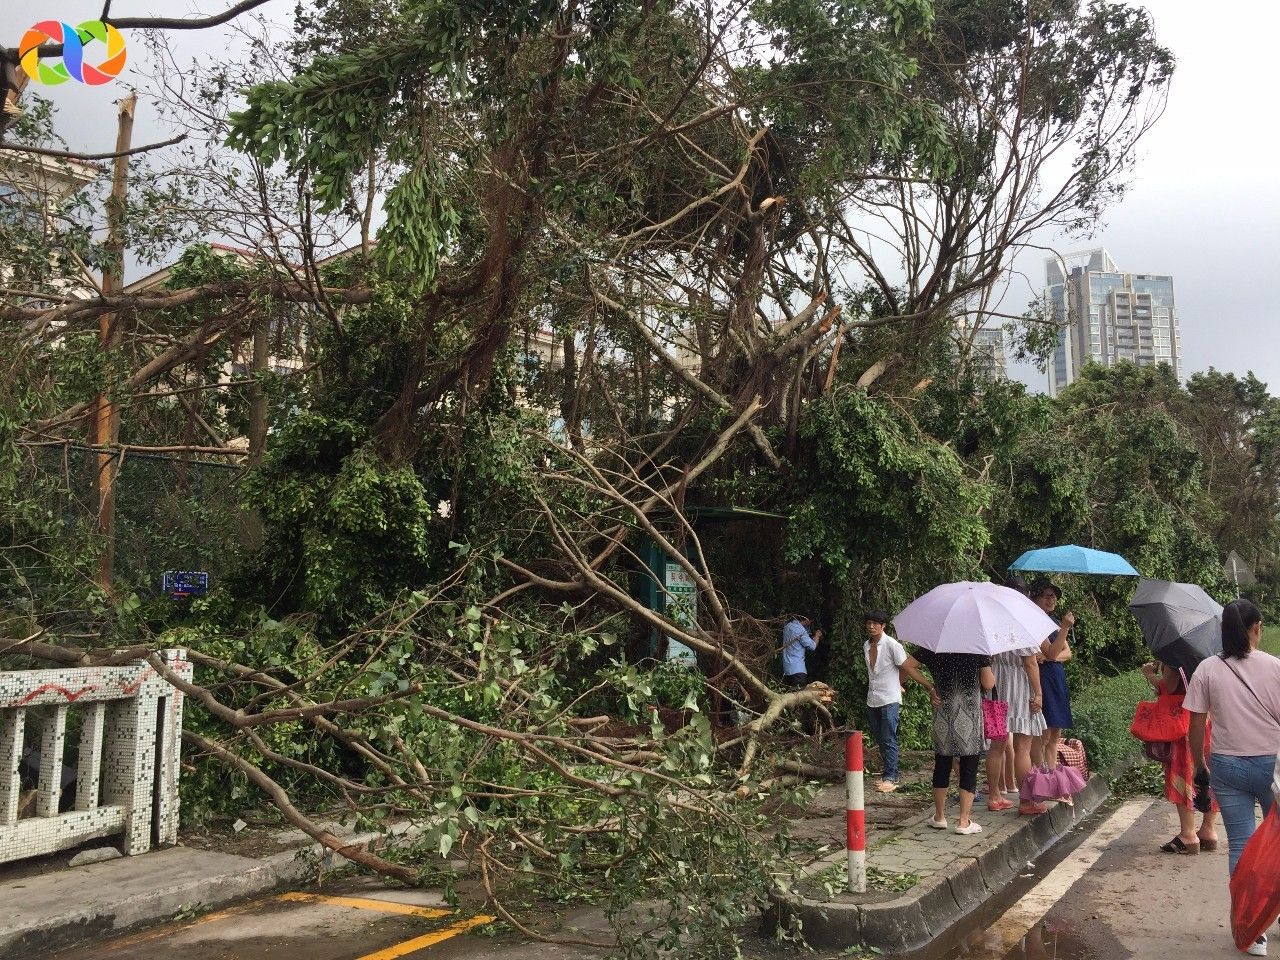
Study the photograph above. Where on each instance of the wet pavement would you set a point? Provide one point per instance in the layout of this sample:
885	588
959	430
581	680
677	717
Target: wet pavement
355	923
1116	896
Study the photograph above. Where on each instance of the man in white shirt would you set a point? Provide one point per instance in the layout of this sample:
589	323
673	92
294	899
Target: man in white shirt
885	657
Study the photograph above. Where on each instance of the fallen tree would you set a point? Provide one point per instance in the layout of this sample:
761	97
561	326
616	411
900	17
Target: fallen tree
638	259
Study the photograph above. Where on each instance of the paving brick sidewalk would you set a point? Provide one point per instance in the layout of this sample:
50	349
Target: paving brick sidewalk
900	843
921	880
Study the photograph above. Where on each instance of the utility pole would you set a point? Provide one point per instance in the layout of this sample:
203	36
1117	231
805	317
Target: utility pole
106	433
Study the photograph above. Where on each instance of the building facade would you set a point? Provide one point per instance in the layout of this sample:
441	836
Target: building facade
990	353
1108	316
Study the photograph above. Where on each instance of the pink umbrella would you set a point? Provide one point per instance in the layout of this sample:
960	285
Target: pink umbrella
1041	784
1067	780
982	618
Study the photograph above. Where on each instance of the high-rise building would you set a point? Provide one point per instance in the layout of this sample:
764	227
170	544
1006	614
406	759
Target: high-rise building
1108	316
989	351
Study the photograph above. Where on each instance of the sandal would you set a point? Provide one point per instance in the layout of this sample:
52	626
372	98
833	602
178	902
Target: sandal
1208	846
1176	845
995	806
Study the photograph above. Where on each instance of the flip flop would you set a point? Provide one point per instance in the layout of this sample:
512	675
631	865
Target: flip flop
1176	845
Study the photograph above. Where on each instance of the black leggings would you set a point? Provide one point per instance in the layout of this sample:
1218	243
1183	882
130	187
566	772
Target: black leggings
968	772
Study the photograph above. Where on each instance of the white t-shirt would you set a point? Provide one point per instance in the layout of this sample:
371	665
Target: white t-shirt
884	686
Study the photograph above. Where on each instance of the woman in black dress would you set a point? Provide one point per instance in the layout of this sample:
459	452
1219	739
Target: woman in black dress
959	679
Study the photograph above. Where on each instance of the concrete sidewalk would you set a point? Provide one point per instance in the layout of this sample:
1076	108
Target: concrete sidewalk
48	911
945	876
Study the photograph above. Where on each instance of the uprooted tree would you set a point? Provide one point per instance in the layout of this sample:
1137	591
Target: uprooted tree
635	259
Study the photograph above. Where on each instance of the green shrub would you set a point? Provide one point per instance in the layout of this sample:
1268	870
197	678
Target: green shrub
1103	712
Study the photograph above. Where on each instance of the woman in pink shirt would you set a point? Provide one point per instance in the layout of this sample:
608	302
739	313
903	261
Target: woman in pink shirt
1241	691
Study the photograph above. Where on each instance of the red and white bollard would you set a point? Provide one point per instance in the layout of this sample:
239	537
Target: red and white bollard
855	814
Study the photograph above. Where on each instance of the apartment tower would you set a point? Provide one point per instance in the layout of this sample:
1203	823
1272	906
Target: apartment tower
1108	316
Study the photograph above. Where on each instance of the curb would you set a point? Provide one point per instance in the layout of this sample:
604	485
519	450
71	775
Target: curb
25	936
930	908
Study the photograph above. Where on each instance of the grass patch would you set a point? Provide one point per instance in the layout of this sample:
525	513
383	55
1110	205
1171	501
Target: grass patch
1143	780
1270	640
835	878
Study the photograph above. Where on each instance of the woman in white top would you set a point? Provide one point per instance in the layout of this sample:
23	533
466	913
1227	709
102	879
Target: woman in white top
1017	684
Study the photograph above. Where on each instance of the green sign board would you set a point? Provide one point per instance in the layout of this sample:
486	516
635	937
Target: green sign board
681	608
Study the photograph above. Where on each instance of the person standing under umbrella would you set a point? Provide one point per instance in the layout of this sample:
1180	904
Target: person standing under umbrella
1056	650
962	625
1179	771
1017	684
958	679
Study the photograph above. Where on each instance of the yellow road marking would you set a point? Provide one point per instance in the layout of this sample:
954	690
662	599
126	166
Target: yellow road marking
428	940
362	903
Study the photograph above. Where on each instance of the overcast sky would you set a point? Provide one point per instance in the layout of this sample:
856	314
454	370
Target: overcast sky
1204	206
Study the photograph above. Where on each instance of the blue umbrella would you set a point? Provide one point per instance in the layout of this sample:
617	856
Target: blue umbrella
1073	559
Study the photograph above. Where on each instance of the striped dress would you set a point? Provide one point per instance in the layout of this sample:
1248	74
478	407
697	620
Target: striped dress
1013	687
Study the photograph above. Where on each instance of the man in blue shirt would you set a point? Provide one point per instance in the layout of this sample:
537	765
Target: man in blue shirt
795	641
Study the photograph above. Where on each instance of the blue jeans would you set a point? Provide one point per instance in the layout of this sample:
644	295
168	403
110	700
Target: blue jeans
1237	783
884	728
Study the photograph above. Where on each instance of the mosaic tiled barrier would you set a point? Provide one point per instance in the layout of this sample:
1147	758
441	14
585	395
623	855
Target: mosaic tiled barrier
121	716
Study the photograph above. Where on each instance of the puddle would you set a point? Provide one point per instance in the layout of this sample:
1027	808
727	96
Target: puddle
1044	941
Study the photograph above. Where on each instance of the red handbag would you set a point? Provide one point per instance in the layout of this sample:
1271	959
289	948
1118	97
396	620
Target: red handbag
1161	720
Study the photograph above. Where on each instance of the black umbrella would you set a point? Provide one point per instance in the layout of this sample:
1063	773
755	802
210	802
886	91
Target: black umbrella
1181	623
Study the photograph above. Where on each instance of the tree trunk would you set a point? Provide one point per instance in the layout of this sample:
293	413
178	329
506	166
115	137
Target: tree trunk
107	420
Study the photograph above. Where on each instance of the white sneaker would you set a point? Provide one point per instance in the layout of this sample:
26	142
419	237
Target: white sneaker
938	824
1259	948
970	830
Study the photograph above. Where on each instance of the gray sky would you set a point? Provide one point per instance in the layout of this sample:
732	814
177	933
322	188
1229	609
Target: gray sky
1204	206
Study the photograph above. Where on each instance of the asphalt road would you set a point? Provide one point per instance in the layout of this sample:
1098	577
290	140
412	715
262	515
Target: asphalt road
352	922
1117	897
